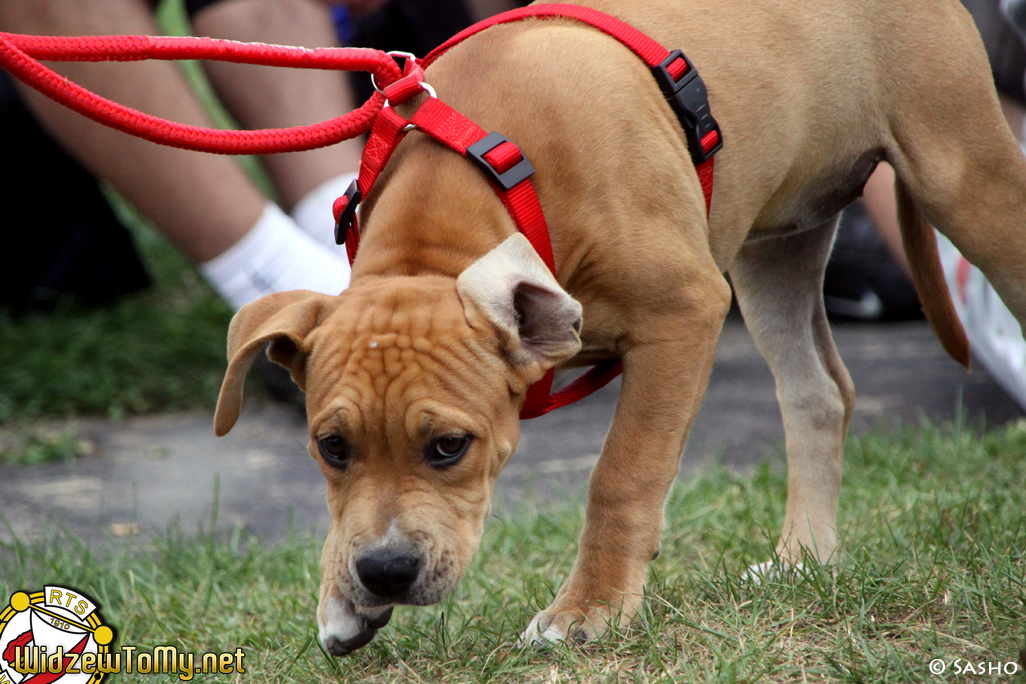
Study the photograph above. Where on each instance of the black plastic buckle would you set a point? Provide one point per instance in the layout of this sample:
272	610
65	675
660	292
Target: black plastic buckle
345	219
478	150
690	100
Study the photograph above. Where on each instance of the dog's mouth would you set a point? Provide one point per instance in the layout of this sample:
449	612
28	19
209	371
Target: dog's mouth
368	628
352	623
374	560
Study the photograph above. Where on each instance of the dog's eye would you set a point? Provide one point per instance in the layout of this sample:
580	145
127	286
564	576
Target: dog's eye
335	450
446	451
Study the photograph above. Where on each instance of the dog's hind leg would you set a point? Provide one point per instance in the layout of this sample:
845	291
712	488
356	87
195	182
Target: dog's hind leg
982	211
779	285
955	157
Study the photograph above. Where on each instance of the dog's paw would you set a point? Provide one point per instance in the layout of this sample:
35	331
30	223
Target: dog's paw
770	571
571	626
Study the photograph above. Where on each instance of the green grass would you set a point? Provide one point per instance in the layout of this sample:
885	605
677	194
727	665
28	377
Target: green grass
160	350
933	532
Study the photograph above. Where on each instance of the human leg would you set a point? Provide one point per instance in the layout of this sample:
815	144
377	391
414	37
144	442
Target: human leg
263	97
204	203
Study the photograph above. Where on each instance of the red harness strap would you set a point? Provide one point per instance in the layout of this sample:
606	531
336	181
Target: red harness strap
500	159
509	171
679	81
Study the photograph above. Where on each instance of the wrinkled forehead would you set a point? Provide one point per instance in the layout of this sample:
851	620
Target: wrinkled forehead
386	348
418	308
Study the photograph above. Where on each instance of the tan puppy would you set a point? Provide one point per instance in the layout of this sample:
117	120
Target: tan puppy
415	375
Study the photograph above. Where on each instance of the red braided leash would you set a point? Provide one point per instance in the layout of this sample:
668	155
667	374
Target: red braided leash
19	55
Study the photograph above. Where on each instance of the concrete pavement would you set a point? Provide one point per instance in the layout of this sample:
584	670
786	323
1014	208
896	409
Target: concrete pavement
152	470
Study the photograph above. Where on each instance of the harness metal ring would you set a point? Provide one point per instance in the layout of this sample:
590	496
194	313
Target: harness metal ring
410	56
393	53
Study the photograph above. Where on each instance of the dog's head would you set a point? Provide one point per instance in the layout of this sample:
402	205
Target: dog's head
413	391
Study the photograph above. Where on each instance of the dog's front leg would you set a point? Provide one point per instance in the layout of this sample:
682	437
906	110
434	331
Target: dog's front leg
665	375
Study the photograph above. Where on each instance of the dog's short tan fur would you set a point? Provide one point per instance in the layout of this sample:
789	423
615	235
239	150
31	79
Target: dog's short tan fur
809	97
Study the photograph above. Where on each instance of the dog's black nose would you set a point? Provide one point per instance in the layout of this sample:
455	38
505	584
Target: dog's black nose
387	573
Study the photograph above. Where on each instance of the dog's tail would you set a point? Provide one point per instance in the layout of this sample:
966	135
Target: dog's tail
921	250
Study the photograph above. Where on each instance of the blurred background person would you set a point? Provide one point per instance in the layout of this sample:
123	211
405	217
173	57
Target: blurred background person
65	240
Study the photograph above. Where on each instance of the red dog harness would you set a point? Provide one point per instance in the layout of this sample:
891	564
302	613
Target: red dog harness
508	170
505	166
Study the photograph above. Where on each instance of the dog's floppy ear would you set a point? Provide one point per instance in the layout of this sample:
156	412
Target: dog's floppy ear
283	319
539	324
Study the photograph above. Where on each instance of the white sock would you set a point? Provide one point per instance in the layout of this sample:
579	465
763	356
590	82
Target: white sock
313	212
275	256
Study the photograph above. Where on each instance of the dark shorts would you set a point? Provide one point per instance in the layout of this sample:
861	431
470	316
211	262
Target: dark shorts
193	6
